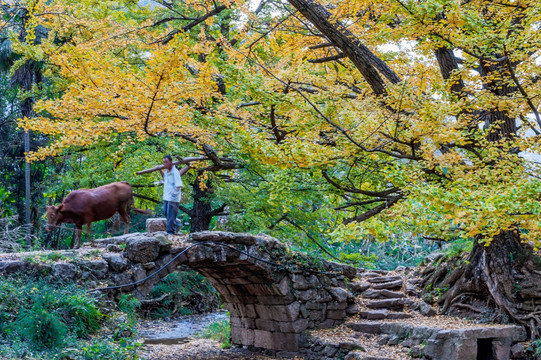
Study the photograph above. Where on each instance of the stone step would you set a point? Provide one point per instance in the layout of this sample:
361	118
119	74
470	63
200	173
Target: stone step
383	279
382	294
397	284
394	304
359	286
444	343
359	355
373	274
383	314
366	327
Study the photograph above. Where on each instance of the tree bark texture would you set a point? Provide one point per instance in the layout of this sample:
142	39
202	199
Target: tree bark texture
503	274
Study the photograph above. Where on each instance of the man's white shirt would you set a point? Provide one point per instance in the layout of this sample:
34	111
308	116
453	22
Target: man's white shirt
171	180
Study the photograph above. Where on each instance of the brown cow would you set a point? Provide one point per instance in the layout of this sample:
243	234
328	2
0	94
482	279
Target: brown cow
84	206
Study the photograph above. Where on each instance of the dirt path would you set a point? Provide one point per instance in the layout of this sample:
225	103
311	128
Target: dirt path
199	349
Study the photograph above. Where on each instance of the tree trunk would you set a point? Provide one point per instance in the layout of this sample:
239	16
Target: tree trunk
503	273
201	212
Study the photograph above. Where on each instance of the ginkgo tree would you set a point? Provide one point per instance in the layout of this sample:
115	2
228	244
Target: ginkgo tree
412	116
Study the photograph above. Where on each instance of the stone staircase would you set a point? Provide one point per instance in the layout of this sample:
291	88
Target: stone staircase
394	323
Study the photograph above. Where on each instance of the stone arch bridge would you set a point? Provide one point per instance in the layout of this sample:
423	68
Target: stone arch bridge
272	294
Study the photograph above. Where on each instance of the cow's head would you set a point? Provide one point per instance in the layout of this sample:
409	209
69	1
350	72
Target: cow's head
53	217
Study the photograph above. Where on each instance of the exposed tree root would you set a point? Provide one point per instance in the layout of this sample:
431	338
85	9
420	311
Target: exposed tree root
504	274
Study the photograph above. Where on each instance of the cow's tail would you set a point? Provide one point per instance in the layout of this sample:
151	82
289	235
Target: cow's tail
136	210
141	211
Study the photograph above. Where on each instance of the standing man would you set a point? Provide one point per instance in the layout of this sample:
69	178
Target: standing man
172	183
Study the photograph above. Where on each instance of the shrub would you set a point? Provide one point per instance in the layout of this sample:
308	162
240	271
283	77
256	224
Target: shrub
42	327
128	304
84	314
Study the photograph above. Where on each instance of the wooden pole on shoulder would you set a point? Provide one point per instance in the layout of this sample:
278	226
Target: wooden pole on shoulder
180	161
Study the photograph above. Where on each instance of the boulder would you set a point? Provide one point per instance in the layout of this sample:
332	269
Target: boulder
116	262
142	249
156	224
98	268
64	271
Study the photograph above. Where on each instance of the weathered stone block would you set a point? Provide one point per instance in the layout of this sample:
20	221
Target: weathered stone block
9	267
366	327
156	224
335	305
501	348
237	281
139	272
336	314
242	336
243	322
165	243
116	262
267	325
237	290
316	315
313	281
297	326
278	312
352	309
261	289
98	268
299	282
142	249
247	310
276	340
64	271
284	286
276	299
122	279
323	296
327	324
306	295
310	305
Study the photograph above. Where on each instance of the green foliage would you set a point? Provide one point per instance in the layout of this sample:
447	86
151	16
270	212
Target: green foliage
105	350
128	304
41	327
183	291
84	313
458	248
40	321
44	313
535	347
6	203
398	250
53	256
219	331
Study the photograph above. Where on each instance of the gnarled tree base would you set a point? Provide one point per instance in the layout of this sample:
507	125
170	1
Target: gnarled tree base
503	276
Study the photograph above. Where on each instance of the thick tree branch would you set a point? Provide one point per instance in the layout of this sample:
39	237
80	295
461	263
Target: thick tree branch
194	23
327	59
374	211
358	191
366	62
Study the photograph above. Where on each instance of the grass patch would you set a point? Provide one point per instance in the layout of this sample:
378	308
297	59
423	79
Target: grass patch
219	331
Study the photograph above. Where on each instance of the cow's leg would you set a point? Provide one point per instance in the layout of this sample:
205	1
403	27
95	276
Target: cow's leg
78	233
126	218
89	232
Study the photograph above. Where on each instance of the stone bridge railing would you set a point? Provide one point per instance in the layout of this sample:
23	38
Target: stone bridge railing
273	295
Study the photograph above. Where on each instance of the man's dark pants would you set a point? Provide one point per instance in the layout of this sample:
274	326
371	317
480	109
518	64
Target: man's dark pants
170	210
